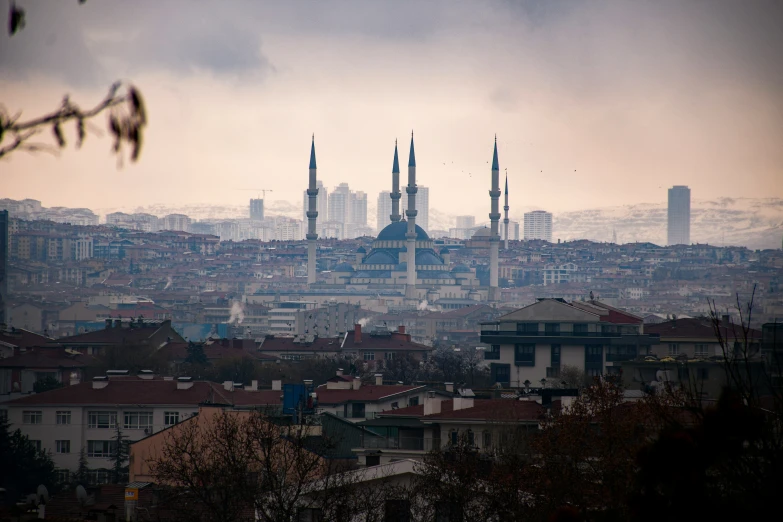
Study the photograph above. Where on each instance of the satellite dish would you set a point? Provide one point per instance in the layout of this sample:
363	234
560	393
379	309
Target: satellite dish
81	494
43	494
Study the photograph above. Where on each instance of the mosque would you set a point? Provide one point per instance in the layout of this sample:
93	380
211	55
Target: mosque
403	258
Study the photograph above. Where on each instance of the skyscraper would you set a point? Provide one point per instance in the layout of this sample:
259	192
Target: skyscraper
384	210
422	207
359	210
339	205
538	225
257	209
679	223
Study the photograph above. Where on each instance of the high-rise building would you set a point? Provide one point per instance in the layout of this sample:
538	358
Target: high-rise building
320	202
176	222
513	231
466	221
4	267
257	209
422	207
538	225
339	204
359	208
384	210
679	223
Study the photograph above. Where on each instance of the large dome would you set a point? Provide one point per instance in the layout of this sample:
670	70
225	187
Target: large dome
396	232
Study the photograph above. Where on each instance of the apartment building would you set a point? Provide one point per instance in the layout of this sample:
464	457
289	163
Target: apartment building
532	344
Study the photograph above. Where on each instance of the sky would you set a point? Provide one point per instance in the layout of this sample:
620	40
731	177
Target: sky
593	103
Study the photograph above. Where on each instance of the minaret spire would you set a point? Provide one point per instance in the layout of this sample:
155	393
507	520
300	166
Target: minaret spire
410	284
395	192
312	214
505	210
494	218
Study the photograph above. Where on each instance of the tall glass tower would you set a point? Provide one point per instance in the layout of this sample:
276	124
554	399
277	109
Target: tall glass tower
679	225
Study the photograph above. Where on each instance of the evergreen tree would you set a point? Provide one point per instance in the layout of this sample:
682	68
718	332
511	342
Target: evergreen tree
196	355
22	465
82	475
119	458
49	383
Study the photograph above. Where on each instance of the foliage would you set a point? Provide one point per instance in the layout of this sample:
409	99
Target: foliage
196	355
81	476
24	466
46	384
119	458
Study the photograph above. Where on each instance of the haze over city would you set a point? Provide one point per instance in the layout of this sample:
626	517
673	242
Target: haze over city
593	105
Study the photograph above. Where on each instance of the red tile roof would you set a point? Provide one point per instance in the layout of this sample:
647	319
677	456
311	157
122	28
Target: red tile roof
23	338
394	342
179	351
483	409
134	390
287	344
47	358
697	328
366	393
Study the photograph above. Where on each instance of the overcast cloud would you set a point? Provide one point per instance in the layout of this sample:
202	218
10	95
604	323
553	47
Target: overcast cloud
594	103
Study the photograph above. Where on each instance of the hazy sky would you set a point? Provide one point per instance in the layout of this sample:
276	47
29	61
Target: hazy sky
594	103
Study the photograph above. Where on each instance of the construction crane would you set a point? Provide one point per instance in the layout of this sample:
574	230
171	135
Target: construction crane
263	191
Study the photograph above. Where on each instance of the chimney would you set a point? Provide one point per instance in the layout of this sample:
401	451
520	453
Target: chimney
277	385
339	372
357	383
449	387
431	403
108	323
253	385
461	403
228	385
75	378
146	374
401	329
117	323
100	382
378	379
184	383
357	333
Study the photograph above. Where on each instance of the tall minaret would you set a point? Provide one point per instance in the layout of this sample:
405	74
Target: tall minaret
494	237
505	212
395	193
410	286
312	214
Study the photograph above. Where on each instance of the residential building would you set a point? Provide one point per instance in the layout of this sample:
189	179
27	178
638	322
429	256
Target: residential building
321	204
557	274
135	333
179	222
86	416
538	225
4	254
422	206
697	338
534	343
384	210
679	216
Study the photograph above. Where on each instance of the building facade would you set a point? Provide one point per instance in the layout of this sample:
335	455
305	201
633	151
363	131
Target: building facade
257	209
538	225
679	216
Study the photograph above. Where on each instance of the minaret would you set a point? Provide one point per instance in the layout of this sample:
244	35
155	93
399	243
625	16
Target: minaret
395	192
494	218
505	211
410	286
312	214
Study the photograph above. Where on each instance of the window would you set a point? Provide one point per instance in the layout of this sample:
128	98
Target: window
37	444
357	410
527	328
594	354
552	328
98	476
101	448
62	446
102	419
593	372
63	417
413	401
395	405
454	437
138	420
471	438
486	440
171	418
525	354
580	329
701	350
63	476
501	373
32	417
369	356
397	510
674	349
389	356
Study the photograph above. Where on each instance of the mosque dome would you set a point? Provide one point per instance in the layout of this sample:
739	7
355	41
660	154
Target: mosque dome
427	257
343	267
380	257
460	269
444	250
361	250
396	232
482	233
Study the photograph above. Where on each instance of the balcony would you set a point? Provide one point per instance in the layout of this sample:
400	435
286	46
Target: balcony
400	443
512	333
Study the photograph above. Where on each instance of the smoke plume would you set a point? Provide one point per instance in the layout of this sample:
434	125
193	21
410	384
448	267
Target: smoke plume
237	313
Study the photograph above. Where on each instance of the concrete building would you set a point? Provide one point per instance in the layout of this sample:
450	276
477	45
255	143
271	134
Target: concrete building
538	225
321	202
383	210
466	222
178	222
257	209
4	253
679	216
533	343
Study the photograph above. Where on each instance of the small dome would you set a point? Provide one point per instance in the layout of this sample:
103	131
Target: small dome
396	232
444	250
482	233
380	257
361	250
343	267
444	275
427	257
460	269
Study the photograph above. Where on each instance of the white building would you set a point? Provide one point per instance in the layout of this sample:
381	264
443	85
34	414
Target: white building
466	222
288	230
321	203
679	216
383	211
538	225
179	222
513	231
556	274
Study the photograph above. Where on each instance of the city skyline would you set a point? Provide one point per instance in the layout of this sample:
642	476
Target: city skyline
622	88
